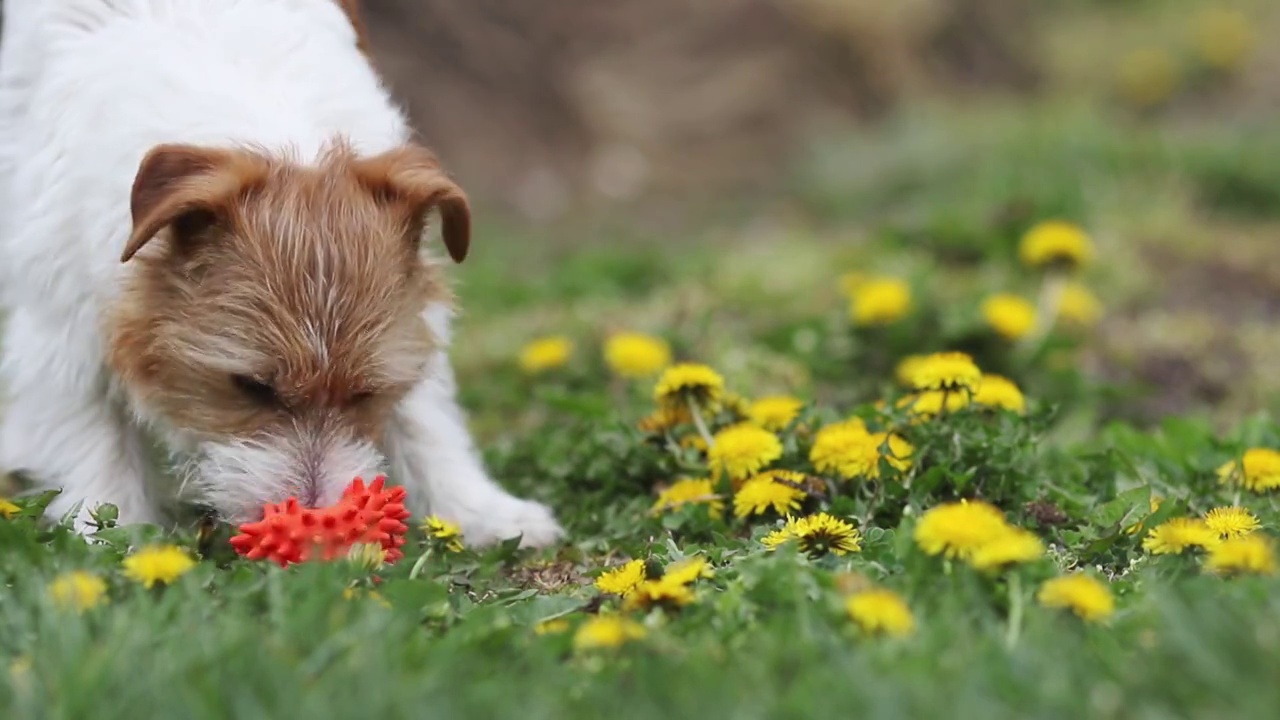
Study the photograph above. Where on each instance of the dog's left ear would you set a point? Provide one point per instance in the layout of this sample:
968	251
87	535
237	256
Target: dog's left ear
410	181
186	188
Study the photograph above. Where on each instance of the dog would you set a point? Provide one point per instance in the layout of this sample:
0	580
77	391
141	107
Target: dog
214	228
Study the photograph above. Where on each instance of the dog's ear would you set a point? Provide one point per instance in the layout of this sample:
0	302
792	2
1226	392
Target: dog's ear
409	181
186	188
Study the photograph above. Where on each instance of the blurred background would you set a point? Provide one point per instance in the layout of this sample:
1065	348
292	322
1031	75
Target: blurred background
546	109
708	170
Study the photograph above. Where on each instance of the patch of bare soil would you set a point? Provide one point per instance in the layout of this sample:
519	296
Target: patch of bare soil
540	104
1206	340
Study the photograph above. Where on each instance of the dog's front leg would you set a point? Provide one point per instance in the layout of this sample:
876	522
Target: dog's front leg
432	454
60	427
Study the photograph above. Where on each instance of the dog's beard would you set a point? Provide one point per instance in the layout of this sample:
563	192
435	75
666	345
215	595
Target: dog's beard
237	478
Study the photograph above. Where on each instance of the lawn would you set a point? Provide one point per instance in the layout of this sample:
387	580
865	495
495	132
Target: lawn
942	504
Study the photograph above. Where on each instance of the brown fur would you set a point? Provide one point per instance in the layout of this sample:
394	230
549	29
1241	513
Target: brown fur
246	268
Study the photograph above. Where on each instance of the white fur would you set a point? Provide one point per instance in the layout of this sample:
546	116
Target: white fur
86	88
313	464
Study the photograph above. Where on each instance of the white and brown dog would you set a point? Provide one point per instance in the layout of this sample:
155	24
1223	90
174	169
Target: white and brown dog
211	225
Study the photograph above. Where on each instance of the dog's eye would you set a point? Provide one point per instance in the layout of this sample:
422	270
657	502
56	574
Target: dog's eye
257	390
361	398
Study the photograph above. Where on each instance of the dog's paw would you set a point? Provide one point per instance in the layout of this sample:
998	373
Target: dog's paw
509	517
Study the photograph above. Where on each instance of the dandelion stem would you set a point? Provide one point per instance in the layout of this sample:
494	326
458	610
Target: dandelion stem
699	423
1015	611
419	565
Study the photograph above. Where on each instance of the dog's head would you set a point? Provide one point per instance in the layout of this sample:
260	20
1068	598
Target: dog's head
272	313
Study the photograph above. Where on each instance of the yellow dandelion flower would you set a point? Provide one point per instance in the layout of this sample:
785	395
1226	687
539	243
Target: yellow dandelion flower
849	450
1253	553
1177	534
688	570
158	564
663	592
764	492
850	281
635	355
1009	546
553	626
817	535
368	557
1261	470
689	491
878	610
8	509
1229	472
931	403
1084	595
447	534
1229	522
694	441
1224	37
953	371
906	369
545	354
779	536
623	579
880	301
997	391
355	593
1147	76
1011	316
898	453
681	383
959	529
1079	306
78	590
776	412
742	450
607	631
821	533
1055	242
1154	504
664	419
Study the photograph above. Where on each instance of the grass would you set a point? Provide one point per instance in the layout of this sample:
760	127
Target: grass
767	635
1177	379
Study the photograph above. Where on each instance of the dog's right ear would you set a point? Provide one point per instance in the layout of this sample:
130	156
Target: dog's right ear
186	188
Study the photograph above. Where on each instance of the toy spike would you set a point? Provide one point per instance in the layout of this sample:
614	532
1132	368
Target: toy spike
289	533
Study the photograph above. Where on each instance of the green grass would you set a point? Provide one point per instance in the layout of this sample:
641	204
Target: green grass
1178	378
766	637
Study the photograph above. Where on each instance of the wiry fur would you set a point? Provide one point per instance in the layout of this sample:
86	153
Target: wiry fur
211	219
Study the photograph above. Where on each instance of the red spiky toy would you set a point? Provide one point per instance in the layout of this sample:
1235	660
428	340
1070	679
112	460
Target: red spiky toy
289	533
